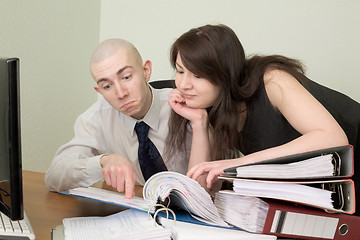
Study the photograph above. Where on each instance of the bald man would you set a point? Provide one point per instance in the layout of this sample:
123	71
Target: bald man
105	143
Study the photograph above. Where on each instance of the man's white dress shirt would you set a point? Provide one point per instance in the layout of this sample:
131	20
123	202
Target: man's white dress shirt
103	130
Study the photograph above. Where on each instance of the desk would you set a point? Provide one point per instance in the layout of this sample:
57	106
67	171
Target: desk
47	209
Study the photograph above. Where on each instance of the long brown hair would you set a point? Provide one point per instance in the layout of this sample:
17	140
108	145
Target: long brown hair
214	52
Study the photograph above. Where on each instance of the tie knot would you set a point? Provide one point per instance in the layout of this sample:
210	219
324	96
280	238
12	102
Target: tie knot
142	129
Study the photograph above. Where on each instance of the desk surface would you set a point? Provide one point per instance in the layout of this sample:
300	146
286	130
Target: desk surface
47	209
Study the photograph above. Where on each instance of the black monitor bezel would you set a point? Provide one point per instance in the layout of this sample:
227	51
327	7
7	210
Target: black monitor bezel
16	210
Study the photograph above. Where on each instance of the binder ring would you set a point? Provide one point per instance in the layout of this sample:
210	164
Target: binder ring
155	205
167	213
343	229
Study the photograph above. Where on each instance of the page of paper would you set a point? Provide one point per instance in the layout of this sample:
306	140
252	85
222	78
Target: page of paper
320	166
111	197
189	231
128	224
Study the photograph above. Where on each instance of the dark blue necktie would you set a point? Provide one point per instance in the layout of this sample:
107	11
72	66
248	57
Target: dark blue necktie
149	157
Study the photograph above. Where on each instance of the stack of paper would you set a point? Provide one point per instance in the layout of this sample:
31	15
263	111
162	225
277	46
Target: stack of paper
189	231
292	192
247	213
319	178
129	224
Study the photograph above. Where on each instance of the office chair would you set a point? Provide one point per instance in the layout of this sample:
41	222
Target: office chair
163	84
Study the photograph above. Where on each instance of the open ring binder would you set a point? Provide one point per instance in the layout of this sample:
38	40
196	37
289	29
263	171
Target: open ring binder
162	208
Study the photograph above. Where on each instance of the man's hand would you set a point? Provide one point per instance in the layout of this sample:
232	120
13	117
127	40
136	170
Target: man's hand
119	173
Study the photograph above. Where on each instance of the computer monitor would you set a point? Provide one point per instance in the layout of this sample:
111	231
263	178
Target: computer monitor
11	191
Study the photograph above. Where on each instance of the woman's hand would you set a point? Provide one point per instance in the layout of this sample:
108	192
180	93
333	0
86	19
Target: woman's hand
178	104
212	169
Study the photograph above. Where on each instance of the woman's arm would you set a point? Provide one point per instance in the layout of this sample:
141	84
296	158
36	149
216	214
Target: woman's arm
317	126
200	146
305	114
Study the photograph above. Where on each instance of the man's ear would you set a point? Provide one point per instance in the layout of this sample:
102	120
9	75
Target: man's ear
96	87
147	65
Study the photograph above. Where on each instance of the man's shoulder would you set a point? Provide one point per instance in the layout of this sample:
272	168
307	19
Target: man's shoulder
100	104
163	93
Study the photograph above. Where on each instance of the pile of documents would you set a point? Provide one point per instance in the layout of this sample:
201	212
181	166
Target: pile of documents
129	224
319	179
308	196
301	203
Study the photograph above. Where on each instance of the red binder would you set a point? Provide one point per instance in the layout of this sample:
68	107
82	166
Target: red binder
294	221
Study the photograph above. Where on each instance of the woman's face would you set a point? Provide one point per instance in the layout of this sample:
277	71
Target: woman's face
198	92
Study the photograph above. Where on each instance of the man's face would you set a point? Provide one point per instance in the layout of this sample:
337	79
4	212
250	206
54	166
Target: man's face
122	81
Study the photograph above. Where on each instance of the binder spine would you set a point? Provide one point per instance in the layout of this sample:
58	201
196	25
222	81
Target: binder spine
299	222
293	224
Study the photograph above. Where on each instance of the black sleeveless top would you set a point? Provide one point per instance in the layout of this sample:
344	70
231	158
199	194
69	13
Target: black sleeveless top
266	127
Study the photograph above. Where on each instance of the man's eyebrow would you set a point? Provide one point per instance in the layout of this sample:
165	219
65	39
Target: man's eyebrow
118	73
101	80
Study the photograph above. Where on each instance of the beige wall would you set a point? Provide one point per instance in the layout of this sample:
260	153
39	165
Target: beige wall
324	34
53	40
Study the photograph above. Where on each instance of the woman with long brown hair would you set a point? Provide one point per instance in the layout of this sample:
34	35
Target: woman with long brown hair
240	110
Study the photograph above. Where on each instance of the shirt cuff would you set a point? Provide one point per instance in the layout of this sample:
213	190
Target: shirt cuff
94	169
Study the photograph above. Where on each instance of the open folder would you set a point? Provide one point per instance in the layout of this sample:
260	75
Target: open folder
189	201
334	163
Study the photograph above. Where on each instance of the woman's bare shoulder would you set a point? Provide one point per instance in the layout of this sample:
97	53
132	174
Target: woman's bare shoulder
279	84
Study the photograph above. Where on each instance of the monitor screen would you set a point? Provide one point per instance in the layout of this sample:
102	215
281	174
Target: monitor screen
11	192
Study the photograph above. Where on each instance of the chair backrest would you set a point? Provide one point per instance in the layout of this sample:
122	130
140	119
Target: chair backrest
163	84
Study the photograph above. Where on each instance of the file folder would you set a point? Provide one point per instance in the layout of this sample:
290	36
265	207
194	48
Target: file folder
343	162
343	196
137	203
289	220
